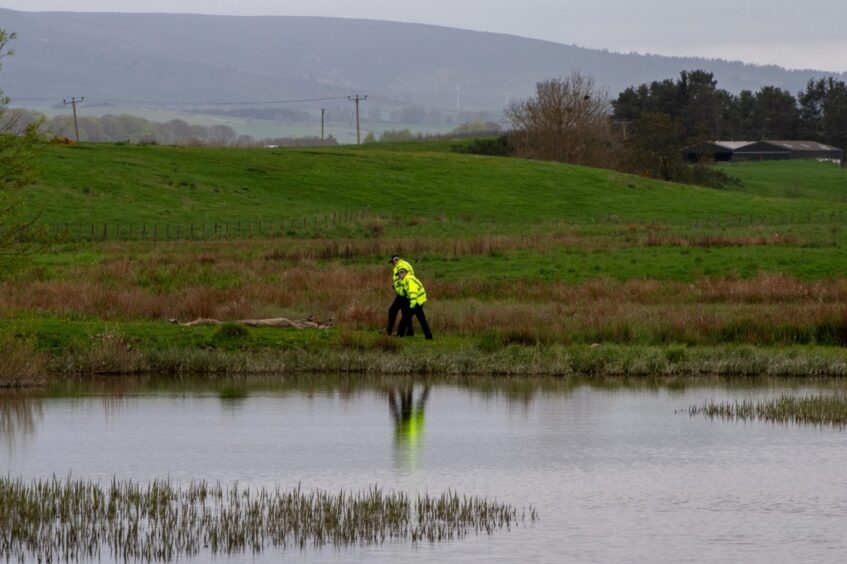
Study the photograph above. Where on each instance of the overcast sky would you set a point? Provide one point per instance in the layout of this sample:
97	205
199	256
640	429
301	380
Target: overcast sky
807	34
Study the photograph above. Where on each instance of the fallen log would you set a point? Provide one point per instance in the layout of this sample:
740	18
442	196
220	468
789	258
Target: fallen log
309	323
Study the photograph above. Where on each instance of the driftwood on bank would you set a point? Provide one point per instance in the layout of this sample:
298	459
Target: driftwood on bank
309	323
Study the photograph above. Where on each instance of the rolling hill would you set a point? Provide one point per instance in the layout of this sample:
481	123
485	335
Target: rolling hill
452	193
187	59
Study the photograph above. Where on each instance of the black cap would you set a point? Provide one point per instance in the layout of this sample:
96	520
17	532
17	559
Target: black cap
391	260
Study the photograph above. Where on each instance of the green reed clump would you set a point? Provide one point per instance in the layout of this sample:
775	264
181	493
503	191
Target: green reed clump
62	520
822	409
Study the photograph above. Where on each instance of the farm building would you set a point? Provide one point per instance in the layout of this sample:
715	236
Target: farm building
722	151
718	151
770	150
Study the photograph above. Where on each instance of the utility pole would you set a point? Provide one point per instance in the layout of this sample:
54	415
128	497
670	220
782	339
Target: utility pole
357	99
458	90
73	102
624	123
323	113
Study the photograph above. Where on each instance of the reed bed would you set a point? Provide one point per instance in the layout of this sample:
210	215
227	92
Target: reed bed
822	409
71	520
517	361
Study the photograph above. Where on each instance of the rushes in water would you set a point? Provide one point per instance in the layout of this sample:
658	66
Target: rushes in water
63	520
823	409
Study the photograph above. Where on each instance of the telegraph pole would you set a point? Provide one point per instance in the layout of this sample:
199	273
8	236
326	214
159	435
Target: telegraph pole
323	113
73	102
623	123
357	99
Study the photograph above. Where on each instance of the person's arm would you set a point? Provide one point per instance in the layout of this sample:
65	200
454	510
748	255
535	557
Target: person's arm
413	289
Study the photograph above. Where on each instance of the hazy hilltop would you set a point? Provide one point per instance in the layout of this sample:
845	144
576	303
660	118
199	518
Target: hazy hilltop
195	58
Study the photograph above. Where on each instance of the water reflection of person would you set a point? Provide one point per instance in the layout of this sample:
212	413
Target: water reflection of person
408	416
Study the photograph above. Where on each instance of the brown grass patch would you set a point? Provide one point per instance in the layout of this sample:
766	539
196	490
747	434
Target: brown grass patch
21	364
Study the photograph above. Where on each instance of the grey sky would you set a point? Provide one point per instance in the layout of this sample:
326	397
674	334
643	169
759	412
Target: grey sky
807	34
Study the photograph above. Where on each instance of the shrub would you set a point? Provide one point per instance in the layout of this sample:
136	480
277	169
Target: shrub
230	331
675	353
386	343
349	340
490	341
501	146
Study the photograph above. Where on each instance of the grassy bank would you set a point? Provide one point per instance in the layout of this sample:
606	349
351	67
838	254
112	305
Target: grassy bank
60	348
532	268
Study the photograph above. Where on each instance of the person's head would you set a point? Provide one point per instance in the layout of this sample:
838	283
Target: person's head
395	259
402	273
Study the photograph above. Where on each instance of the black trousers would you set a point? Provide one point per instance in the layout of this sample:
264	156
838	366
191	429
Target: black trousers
400	304
418	312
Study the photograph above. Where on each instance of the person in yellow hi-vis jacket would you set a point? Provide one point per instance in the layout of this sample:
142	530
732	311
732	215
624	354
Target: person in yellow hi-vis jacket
414	290
401	302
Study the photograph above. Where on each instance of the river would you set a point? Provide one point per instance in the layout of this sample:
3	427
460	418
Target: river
618	473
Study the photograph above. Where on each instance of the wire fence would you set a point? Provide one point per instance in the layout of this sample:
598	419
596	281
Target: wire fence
166	231
327	224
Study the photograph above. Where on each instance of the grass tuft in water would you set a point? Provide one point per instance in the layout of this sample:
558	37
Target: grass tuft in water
70	520
822	409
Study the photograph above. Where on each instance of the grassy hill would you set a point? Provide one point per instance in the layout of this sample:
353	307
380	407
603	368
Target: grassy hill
123	184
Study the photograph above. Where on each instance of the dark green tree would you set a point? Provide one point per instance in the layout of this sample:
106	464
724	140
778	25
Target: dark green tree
654	147
775	115
704	110
834	113
811	102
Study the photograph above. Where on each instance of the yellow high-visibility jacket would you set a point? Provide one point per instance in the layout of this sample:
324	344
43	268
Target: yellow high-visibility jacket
414	290
395	279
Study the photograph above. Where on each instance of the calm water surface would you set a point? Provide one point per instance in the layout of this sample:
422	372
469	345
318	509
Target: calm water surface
616	474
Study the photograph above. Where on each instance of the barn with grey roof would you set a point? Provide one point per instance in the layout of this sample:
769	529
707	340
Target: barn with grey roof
723	151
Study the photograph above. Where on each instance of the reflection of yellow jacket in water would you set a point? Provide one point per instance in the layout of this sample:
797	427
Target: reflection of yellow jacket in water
409	430
414	290
395	278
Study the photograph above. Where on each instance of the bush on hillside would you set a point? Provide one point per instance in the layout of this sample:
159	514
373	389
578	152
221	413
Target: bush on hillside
489	146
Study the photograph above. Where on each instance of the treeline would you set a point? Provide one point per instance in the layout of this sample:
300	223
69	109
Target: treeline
127	128
270	114
372	112
645	129
705	111
469	129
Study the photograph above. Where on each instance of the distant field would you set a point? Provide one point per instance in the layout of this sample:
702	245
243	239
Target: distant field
791	179
344	132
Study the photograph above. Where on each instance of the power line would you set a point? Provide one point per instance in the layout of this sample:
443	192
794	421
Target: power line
249	103
218	103
183	103
32	99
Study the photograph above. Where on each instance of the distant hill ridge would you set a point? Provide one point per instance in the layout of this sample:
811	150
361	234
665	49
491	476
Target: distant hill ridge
195	58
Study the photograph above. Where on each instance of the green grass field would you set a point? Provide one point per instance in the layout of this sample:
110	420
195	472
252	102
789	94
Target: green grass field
146	184
791	179
524	261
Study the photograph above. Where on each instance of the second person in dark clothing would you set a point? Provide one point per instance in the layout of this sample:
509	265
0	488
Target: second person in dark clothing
401	302
416	293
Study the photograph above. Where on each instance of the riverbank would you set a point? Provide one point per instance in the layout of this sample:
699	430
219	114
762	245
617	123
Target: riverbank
38	353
